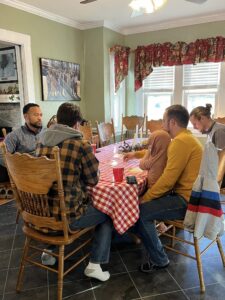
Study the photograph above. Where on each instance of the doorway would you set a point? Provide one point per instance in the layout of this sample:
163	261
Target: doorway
11	111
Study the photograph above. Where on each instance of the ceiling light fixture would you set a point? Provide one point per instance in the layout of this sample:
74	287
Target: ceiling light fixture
145	6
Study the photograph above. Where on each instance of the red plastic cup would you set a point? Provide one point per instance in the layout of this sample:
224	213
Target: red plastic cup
118	174
93	147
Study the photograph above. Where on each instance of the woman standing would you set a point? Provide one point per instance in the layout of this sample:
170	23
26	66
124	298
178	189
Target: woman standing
200	118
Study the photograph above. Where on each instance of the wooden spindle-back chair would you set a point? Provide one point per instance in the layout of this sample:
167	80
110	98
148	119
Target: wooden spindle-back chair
87	131
106	133
153	125
6	194
130	123
52	120
31	179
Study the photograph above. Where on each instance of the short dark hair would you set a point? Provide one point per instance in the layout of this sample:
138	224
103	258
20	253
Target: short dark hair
199	111
28	106
69	114
178	113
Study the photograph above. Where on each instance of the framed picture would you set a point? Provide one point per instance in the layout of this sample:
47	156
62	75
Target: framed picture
8	70
60	80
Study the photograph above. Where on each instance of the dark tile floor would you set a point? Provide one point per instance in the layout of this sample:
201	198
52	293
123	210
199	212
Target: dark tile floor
178	282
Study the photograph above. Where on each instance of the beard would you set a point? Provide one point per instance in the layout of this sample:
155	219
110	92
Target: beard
36	125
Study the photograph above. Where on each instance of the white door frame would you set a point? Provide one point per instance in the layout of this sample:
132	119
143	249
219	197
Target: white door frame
24	41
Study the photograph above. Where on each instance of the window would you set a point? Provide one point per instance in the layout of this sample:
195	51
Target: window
158	91
189	85
117	100
200	84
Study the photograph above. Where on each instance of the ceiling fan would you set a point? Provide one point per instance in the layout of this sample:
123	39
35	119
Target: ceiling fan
87	1
194	1
197	1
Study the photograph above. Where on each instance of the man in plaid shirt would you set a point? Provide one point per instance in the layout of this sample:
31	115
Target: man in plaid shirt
79	168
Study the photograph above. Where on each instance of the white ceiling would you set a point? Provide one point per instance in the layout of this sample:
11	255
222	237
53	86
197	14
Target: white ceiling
116	14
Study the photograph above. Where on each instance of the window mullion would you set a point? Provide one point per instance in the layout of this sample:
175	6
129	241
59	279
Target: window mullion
178	82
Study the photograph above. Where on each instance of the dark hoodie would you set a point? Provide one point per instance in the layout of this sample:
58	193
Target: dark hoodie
79	166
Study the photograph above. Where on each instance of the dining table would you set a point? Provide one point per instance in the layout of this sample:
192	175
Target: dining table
119	200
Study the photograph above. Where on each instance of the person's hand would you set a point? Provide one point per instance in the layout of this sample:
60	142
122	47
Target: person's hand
128	156
141	200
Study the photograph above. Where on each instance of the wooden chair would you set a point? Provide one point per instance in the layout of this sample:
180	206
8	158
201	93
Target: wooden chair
52	120
4	132
221	170
106	133
130	123
220	120
6	194
174	235
86	130
31	179
153	125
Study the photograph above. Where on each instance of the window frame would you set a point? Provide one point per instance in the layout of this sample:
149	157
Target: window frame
179	95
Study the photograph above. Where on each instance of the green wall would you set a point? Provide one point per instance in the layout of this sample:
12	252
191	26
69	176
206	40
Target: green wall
48	39
94	74
96	56
186	34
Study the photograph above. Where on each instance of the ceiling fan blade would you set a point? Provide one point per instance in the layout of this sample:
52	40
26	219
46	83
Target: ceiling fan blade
87	1
197	1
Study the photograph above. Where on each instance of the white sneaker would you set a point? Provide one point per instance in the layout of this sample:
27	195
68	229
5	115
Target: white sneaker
97	274
47	259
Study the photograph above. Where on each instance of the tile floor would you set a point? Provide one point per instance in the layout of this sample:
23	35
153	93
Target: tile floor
178	282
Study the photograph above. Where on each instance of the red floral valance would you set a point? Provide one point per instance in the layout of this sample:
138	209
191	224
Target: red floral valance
168	54
121	55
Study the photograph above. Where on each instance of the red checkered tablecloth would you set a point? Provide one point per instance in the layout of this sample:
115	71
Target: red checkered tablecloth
118	200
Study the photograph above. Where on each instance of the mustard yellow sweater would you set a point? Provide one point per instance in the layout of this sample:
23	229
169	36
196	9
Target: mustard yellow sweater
184	157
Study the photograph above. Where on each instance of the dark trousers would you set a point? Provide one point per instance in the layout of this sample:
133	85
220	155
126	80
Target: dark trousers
3	174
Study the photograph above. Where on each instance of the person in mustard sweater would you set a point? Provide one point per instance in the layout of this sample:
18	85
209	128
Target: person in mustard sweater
167	199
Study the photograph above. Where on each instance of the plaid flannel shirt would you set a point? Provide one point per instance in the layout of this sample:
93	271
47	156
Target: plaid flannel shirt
79	168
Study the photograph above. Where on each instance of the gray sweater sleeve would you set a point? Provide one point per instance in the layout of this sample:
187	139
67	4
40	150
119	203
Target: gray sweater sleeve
218	139
11	141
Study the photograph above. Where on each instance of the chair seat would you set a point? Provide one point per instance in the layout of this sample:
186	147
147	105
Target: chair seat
56	239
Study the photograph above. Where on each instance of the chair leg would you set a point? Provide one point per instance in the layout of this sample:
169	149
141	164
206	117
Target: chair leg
219	245
60	272
174	234
199	265
22	265
17	216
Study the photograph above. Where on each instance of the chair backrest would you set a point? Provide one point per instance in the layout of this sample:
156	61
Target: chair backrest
52	120
106	133
153	125
220	120
130	123
4	132
86	130
31	179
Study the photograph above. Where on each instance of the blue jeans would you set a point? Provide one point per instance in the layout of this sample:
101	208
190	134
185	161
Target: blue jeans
103	233
168	207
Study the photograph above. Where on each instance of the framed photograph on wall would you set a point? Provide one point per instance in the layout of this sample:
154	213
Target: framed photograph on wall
8	69
60	80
